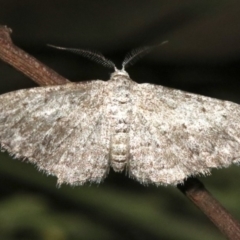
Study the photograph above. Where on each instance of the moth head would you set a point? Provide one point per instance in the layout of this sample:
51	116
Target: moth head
119	73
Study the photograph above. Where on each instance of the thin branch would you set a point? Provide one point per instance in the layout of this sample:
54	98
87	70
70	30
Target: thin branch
199	195
25	63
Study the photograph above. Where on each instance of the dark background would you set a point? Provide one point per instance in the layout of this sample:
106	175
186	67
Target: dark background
202	56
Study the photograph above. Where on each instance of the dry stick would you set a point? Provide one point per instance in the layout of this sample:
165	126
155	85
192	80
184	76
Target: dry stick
25	63
192	187
199	195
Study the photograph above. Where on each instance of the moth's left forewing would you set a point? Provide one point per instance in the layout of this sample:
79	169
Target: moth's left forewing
58	128
175	134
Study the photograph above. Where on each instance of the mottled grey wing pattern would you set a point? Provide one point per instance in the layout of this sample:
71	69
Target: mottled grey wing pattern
58	128
177	134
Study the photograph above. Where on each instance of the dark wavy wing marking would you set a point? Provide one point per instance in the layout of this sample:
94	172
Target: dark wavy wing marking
58	128
177	134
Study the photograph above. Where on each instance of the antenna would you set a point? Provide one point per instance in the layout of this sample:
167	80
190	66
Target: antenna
92	55
136	54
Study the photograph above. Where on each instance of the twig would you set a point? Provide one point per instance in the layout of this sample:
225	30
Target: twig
192	187
199	195
25	63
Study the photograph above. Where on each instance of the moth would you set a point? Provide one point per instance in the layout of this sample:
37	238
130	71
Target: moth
158	135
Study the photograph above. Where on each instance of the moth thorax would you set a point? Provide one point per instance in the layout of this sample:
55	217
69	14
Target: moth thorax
122	94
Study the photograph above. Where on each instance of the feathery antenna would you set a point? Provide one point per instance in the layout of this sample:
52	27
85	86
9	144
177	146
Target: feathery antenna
136	54
92	55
